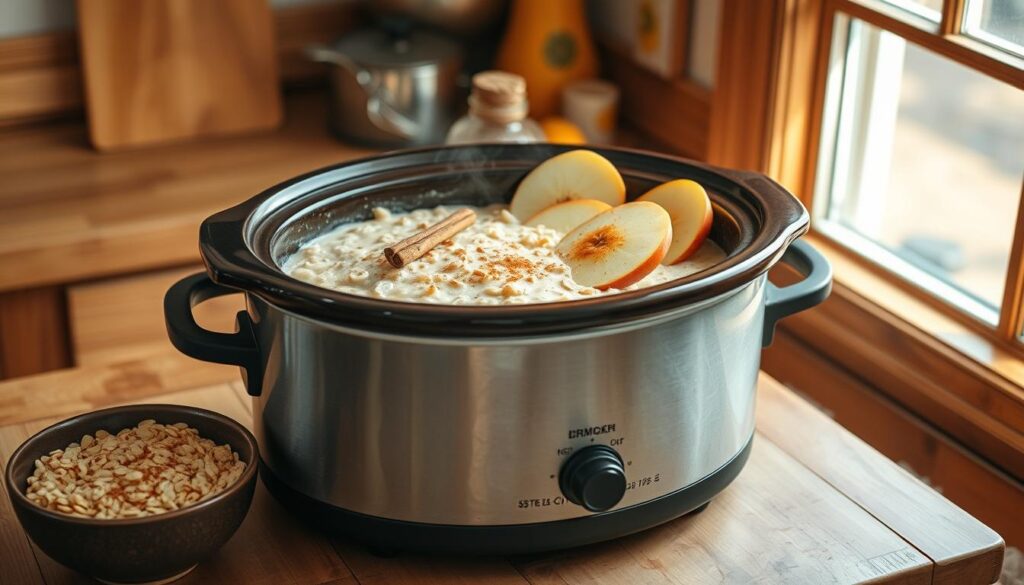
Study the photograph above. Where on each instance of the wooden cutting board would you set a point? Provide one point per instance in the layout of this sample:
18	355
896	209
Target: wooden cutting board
165	70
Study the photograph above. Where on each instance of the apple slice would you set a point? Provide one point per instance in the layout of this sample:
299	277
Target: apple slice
618	247
577	174
566	216
688	205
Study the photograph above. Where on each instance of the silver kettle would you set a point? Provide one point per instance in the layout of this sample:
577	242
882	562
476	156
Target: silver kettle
391	90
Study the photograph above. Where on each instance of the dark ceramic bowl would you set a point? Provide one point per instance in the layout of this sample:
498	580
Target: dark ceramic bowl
135	550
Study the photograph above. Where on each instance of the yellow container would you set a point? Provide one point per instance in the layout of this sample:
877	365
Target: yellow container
548	43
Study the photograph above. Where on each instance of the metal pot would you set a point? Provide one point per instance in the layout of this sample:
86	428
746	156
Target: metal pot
496	429
391	89
466	17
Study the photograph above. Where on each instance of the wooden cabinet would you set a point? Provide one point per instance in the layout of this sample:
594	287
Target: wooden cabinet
88	242
33	332
121	319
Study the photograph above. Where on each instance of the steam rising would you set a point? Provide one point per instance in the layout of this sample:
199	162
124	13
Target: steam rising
477	175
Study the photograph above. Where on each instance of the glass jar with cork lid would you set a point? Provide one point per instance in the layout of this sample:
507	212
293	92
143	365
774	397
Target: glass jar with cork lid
497	112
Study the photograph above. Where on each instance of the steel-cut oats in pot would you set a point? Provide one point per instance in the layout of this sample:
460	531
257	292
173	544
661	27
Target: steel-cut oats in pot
498	260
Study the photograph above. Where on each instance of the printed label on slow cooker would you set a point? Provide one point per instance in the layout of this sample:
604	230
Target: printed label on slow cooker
540	502
591	431
643	482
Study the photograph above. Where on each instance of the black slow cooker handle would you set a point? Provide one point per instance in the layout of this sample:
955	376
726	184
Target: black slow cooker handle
812	290
238	348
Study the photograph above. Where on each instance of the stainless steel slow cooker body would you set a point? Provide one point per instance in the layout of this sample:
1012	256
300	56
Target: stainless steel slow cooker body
495	429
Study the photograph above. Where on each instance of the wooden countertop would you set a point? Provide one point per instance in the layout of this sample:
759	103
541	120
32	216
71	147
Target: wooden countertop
69	213
814	505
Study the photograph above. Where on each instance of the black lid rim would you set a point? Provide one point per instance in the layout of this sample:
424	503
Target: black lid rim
228	238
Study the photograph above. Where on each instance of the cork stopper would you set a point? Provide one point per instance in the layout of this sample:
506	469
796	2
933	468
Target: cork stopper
499	97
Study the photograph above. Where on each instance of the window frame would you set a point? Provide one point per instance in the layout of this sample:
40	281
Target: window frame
842	147
950	42
949	368
992	40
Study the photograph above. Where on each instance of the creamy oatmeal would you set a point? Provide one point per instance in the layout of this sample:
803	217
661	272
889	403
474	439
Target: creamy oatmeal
495	261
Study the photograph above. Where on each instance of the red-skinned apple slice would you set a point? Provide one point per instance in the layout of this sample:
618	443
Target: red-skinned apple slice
564	217
618	247
688	205
577	174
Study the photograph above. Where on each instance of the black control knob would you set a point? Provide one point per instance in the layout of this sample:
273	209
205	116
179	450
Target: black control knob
594	478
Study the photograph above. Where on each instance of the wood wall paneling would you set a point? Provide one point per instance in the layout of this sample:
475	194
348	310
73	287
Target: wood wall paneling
39	77
33	331
681	39
121	319
748	60
674	112
796	108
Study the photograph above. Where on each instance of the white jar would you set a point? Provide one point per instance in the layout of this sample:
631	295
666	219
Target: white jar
497	112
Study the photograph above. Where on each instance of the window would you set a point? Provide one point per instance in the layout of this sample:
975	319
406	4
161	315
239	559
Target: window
923	172
921	153
900	125
928	9
999	23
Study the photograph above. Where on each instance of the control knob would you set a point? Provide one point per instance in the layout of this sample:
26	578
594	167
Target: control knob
594	478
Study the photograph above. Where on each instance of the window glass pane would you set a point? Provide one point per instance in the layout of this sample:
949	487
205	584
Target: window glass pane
923	161
997	22
930	9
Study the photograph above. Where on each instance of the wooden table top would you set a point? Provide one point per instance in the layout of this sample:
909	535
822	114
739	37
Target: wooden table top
69	213
813	505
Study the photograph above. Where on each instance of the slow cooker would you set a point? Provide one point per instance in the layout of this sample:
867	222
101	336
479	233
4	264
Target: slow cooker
495	429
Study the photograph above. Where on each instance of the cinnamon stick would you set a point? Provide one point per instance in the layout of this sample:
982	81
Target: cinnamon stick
411	248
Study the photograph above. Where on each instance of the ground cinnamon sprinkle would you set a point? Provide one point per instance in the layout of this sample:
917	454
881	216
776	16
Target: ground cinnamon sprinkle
516	263
599	243
510	268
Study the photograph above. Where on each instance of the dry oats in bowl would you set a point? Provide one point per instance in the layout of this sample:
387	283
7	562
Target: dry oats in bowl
145	504
152	468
